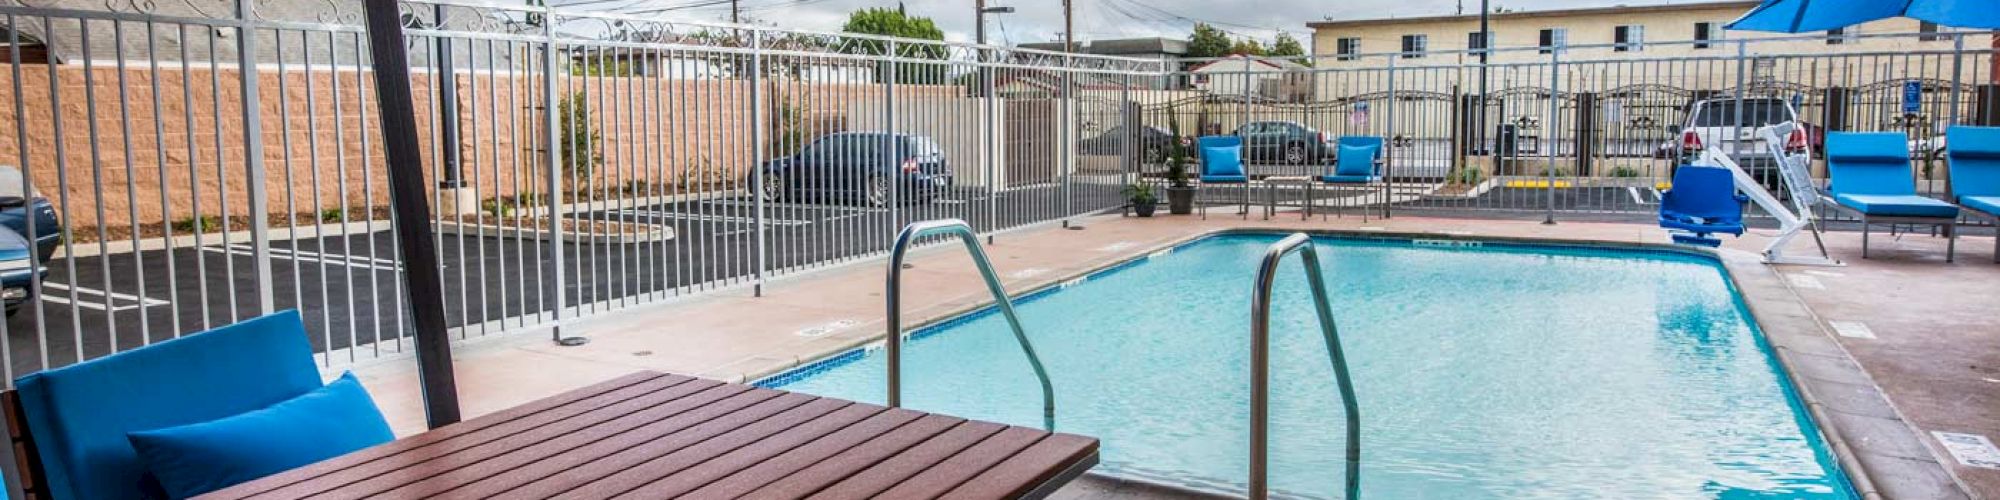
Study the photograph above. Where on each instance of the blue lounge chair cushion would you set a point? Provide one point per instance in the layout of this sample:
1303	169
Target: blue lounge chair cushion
1870	163
1221	161
79	414
202	457
1897	205
1973	154
1703	200
1225	179
1988	204
1347	179
1355	161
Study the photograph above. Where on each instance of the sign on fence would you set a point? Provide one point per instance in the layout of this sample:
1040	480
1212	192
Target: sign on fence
1913	96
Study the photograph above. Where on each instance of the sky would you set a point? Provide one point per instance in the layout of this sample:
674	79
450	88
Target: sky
1041	20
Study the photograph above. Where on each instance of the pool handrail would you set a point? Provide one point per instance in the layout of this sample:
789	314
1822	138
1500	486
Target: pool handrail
1260	363
894	343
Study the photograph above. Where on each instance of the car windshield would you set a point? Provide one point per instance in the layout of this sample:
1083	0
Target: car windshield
922	146
1756	113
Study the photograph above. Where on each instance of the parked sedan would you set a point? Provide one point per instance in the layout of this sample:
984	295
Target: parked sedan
1153	143
19	204
870	167
1287	142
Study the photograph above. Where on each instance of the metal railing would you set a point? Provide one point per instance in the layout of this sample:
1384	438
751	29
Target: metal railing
959	229
1260	363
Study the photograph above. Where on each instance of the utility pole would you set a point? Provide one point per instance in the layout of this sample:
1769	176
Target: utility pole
735	14
1485	47
979	12
1069	27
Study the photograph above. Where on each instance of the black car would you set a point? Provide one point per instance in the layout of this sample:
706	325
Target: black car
20	204
1153	143
1291	143
870	167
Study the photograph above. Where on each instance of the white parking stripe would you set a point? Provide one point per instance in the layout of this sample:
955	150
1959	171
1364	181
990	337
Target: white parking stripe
802	206
354	261
658	214
103	305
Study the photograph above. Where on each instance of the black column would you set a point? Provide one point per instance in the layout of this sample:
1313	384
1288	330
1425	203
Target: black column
1835	108
1586	131
407	200
1986	105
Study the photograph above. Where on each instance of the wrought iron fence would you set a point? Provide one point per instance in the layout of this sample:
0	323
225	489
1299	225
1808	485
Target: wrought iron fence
203	163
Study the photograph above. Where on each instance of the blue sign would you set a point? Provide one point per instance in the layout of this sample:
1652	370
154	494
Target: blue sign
1913	96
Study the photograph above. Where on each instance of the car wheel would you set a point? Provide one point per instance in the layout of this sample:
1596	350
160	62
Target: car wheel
876	191
774	188
1153	154
1295	154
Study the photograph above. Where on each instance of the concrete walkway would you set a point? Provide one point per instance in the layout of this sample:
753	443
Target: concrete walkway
1934	349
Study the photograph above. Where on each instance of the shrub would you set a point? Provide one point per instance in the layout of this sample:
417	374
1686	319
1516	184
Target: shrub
199	224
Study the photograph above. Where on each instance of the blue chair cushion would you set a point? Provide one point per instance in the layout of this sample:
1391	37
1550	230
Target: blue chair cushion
1973	155
1347	179
1221	161
199	458
1988	204
1225	179
1355	161
79	414
1897	205
1869	163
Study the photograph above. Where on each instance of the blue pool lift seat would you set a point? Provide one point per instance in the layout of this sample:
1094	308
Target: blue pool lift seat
1357	162
1973	154
1222	164
76	417
1702	202
1870	178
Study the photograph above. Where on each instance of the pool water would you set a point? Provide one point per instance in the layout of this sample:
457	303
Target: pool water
1508	371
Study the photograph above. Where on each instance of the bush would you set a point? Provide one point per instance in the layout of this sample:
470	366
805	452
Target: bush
200	224
1466	176
332	215
1624	172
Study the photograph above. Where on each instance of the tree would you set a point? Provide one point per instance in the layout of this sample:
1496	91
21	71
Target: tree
894	22
1206	41
1248	47
1286	46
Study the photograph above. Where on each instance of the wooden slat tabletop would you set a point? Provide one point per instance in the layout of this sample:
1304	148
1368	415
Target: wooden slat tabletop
654	435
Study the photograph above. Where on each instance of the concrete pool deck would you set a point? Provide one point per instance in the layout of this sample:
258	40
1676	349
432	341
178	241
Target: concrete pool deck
1932	351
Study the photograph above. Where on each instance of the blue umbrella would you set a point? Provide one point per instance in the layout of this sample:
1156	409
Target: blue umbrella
1799	16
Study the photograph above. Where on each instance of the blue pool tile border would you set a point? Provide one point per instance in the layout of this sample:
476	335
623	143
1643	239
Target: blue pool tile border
808	370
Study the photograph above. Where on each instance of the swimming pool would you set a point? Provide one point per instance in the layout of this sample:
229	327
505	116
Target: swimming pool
1482	370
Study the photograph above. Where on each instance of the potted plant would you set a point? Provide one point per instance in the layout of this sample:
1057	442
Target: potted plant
1180	195
1140	196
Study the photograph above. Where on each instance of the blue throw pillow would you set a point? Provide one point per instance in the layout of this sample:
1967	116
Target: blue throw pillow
1355	161
199	458
1222	161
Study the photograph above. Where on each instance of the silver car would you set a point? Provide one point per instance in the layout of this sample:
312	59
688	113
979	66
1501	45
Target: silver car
1731	124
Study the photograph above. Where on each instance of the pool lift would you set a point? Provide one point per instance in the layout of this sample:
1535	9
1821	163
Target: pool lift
1793	218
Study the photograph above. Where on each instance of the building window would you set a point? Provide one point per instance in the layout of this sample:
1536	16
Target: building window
1553	39
1630	38
1475	42
1928	32
1414	45
1347	49
1838	36
1705	33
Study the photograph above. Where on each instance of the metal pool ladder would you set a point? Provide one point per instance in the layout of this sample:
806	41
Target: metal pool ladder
1260	364
958	228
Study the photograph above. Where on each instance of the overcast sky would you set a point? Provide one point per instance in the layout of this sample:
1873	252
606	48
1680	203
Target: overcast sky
1041	20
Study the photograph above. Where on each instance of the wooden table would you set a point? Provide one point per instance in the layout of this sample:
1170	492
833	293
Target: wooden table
652	435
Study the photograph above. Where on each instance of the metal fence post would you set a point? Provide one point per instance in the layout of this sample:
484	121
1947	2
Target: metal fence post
1388	146
889	132
552	126
1549	130
253	156
1066	136
757	124
991	144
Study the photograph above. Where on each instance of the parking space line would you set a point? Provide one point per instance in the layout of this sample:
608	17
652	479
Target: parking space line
803	206
659	214
354	261
105	305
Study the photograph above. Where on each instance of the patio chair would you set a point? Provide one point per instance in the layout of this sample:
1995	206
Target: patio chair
1357	163
1870	178
1222	164
1973	156
1703	201
80	427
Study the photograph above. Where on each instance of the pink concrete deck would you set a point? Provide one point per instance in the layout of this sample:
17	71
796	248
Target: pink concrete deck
1936	351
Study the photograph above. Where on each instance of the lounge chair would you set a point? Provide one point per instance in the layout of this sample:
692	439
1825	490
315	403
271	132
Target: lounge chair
81	423
1222	164
1871	179
1703	201
1973	154
1357	163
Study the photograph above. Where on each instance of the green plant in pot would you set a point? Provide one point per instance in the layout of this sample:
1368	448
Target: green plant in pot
1180	195
1140	195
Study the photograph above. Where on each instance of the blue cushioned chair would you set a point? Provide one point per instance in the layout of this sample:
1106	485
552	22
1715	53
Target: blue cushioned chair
1703	201
1357	163
1870	178
77	417
1973	154
1222	163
